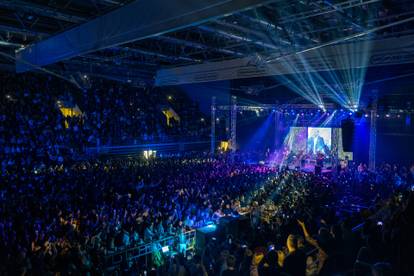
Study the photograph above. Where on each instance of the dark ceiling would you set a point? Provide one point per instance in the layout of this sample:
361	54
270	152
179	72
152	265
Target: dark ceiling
281	27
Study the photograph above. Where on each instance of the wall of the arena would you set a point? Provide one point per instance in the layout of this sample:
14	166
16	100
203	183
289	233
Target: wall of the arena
395	148
395	140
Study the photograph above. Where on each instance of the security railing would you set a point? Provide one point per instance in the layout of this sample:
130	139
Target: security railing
133	253
160	148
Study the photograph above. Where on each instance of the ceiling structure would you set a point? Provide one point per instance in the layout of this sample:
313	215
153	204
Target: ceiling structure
219	32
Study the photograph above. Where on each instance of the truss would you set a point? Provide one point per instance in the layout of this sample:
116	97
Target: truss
238	34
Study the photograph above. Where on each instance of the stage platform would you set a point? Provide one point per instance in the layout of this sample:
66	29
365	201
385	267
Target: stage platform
309	168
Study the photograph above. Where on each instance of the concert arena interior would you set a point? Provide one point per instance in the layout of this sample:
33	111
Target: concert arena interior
207	137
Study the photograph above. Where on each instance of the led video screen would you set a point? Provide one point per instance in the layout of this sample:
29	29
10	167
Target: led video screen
319	140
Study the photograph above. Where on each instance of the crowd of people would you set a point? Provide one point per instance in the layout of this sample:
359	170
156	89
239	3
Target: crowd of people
61	213
33	130
58	217
310	231
68	218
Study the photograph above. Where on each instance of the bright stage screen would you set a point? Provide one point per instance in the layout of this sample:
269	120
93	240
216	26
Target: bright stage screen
319	140
295	140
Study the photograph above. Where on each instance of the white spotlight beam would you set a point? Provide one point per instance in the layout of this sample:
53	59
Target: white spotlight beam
383	52
347	38
332	8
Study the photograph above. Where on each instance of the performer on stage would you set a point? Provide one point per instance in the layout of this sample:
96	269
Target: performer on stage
316	144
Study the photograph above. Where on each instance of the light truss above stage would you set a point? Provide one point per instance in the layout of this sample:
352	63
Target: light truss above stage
275	107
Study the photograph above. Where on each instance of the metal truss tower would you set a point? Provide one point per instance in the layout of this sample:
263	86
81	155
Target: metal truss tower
276	138
233	124
373	134
213	126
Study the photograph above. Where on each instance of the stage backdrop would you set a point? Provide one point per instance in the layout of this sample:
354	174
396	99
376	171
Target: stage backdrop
306	140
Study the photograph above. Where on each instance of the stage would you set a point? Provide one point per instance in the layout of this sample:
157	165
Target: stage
309	168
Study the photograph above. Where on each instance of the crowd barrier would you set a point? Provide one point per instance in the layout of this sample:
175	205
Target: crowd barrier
160	148
133	253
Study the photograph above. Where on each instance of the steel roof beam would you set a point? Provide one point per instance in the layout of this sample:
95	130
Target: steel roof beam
242	38
159	55
383	52
135	21
198	45
16	5
344	15
16	30
9	44
111	2
122	60
251	31
268	25
331	9
92	66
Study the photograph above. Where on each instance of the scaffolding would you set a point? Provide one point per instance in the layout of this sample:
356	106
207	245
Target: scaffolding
373	134
233	125
232	110
278	109
213	126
